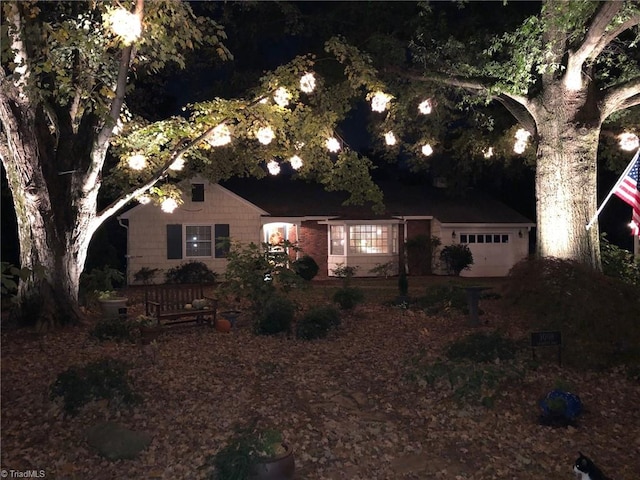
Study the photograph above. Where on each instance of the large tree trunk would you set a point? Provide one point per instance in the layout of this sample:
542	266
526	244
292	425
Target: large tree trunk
566	173
56	215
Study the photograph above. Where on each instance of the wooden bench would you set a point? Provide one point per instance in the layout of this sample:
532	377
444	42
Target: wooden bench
169	304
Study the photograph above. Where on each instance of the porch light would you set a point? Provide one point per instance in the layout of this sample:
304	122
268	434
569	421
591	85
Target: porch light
425	107
308	83
379	101
126	25
332	144
296	162
265	135
169	205
221	135
427	149
273	167
453	235
520	233
628	141
137	161
282	97
390	138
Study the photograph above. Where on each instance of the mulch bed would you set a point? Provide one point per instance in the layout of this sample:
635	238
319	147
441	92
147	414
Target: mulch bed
345	403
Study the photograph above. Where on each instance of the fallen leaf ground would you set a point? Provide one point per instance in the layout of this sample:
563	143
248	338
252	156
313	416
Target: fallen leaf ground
346	403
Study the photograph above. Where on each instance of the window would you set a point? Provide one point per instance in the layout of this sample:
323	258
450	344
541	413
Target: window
197	192
222	238
369	239
483	238
337	235
198	240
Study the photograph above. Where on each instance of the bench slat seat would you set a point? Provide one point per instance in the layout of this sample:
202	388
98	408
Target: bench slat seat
167	303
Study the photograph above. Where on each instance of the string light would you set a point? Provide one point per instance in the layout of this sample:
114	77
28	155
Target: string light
169	205
308	83
137	161
265	135
425	107
296	162
379	101
221	135
522	137
282	97
390	138
126	25
628	141
427	149
273	167
143	199
178	164
333	145
488	153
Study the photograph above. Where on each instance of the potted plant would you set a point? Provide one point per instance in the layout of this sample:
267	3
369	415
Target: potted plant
112	304
255	454
148	327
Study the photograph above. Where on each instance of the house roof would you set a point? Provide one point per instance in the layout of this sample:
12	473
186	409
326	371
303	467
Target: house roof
283	197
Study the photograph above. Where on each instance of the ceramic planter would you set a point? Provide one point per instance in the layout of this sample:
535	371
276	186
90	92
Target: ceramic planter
281	467
113	307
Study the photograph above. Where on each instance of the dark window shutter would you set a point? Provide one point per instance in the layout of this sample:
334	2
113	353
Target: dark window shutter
222	235
174	241
197	192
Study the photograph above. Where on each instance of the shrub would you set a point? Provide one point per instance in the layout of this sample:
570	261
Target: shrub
348	297
597	314
317	322
344	272
116	328
103	379
276	316
306	267
456	258
101	279
382	269
482	347
191	272
443	299
145	275
619	263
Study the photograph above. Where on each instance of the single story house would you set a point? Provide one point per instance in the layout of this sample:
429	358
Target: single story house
275	208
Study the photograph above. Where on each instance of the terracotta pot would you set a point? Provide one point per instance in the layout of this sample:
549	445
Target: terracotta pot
223	325
281	467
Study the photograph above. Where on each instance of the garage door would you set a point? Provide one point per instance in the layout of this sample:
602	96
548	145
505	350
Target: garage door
492	254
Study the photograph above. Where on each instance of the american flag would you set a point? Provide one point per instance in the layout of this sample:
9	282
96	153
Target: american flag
628	189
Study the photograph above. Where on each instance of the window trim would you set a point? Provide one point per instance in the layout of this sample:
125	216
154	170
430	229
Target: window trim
210	241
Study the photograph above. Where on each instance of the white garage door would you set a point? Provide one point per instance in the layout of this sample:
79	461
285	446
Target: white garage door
492	254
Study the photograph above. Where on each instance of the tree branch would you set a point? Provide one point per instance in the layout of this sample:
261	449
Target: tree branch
22	71
596	37
517	105
620	97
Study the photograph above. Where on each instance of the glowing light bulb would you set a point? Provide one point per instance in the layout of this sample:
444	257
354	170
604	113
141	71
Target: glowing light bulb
298	145
178	164
390	138
308	83
265	135
522	137
169	205
126	25
427	149
488	153
296	162
379	101
425	107
221	135
282	96
143	199
264	100
273	167
628	141
332	144
137	161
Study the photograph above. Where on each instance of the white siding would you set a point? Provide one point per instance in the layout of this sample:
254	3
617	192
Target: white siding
147	232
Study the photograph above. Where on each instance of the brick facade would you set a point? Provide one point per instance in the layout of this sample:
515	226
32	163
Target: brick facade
314	242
